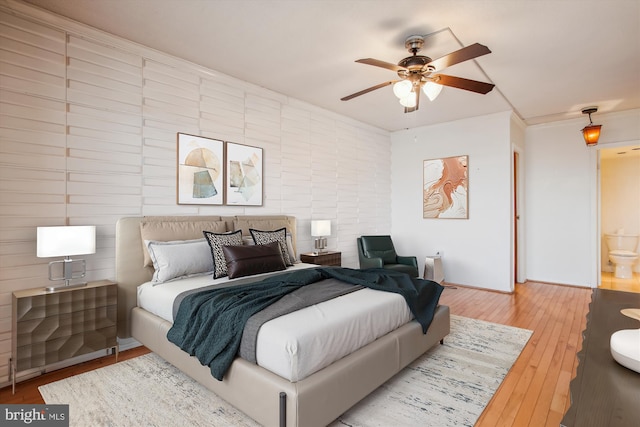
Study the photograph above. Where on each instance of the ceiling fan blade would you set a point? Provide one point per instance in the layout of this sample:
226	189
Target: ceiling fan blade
466	53
370	89
382	64
462	83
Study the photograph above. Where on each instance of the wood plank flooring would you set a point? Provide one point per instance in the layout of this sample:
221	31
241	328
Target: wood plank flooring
534	393
27	391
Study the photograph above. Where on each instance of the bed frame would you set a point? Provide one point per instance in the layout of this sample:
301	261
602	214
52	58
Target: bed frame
267	398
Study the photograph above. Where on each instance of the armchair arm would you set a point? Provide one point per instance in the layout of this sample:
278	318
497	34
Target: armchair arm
408	260
370	262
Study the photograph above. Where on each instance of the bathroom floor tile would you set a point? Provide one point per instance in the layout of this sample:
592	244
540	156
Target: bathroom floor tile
608	281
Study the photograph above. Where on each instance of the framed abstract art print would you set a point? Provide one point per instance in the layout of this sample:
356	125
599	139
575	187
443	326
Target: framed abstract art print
244	175
445	188
200	170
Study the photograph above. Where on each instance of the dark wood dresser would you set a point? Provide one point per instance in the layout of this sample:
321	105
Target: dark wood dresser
605	393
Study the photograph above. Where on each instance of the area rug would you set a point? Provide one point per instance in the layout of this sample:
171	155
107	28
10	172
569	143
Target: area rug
448	386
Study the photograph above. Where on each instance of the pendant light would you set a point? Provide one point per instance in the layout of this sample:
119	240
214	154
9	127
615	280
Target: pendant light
591	132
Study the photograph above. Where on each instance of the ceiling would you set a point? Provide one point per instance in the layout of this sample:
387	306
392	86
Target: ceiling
550	58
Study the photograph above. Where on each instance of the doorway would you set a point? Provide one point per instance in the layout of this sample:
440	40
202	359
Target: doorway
619	208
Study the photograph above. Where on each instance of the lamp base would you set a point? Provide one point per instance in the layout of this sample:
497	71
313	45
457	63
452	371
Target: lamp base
54	288
320	245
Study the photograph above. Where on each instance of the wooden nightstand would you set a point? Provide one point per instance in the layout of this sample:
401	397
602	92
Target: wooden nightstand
48	327
323	258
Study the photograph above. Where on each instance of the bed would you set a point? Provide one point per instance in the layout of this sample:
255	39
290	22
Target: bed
268	398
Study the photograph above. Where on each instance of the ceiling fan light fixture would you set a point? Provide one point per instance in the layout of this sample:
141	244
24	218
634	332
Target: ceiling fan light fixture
409	101
591	132
432	90
415	72
402	88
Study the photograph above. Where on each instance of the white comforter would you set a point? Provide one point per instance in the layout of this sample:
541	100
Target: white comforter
298	344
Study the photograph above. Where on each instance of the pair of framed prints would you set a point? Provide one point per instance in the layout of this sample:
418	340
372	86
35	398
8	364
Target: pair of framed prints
215	172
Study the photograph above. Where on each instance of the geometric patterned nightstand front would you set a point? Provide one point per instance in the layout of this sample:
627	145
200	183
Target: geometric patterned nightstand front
52	326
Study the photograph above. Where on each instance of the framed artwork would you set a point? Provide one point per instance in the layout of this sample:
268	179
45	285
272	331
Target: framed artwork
200	170
445	188
244	175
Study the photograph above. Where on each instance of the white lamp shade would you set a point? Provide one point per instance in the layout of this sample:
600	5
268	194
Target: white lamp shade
432	90
402	88
409	101
66	241
321	227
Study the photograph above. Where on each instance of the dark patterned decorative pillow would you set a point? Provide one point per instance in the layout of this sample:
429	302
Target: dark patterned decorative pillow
261	237
216	242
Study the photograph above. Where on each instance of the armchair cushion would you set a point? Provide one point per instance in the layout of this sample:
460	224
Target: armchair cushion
388	256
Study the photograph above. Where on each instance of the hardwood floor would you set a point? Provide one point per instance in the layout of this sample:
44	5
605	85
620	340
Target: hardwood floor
27	391
534	393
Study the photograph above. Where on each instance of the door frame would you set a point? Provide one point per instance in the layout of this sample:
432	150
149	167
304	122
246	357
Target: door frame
518	225
596	210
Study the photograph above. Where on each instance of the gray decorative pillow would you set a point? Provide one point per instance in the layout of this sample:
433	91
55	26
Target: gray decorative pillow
261	237
216	242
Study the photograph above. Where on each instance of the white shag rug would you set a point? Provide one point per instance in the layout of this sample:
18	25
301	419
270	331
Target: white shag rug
450	385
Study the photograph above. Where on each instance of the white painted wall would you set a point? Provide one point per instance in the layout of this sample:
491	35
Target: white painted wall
88	127
561	187
476	251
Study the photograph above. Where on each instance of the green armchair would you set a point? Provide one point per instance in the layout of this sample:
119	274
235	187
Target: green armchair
379	252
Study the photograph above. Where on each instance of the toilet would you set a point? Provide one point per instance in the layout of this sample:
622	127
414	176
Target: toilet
622	253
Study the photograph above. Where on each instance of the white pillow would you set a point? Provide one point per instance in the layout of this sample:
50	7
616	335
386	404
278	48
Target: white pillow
292	254
179	258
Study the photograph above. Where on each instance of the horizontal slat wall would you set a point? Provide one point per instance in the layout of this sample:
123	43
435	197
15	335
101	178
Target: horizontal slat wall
32	155
88	127
170	105
104	133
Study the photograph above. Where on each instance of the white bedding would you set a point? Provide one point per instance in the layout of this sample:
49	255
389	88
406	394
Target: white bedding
298	344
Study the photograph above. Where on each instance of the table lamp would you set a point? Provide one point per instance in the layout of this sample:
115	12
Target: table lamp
66	241
320	229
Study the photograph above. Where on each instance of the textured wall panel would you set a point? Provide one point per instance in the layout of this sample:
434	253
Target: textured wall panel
32	153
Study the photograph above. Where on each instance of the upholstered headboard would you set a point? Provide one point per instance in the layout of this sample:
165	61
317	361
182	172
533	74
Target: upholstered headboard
130	253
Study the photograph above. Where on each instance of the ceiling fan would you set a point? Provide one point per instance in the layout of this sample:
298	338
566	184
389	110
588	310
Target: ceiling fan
416	72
